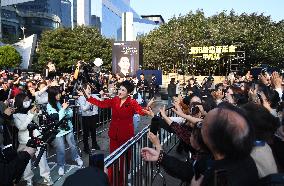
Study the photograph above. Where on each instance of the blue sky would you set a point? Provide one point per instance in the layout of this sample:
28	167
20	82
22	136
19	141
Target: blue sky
169	8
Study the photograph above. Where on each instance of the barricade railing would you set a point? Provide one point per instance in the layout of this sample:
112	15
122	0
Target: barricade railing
126	164
102	125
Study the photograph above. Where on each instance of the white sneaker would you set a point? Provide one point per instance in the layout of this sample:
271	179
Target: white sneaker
48	180
30	182
79	161
61	171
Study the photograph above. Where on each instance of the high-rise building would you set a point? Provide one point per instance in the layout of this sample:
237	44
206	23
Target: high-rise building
83	12
127	26
40	15
7	3
66	14
107	15
110	13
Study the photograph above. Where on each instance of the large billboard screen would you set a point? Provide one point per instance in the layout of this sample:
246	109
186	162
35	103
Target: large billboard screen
13	2
126	57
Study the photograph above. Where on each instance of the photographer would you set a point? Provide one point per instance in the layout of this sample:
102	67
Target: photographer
12	164
90	119
57	112
24	116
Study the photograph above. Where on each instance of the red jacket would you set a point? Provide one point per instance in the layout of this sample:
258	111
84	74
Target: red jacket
121	125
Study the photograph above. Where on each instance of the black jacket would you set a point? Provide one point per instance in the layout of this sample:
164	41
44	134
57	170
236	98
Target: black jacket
89	176
12	167
227	172
185	170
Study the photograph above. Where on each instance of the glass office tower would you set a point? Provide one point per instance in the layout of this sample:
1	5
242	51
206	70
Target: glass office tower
40	15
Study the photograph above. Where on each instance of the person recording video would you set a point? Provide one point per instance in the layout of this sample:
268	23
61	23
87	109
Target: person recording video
23	116
12	164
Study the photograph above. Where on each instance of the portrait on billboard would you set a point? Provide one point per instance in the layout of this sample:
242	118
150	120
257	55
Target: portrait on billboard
125	58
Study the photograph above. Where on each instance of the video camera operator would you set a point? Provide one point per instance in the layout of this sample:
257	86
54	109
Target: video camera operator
12	164
25	114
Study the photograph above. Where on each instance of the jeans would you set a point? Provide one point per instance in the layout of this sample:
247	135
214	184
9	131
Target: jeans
60	148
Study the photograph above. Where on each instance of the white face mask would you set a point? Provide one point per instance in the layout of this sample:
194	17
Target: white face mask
26	104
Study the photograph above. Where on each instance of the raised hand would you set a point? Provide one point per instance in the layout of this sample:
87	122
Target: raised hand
151	102
276	80
177	106
65	105
163	111
155	140
263	79
150	154
197	182
149	112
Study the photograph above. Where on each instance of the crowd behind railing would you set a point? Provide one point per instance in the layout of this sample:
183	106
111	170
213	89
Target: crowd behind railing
229	133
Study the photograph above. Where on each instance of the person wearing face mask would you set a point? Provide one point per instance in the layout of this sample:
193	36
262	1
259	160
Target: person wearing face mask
23	116
58	111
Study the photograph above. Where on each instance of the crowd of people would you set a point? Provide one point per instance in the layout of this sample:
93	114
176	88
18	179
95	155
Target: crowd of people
232	130
26	97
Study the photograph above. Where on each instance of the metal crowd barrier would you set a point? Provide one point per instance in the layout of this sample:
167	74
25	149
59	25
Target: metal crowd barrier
126	162
102	125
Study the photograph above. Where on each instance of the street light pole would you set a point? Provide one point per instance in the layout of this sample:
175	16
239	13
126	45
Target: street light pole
23	29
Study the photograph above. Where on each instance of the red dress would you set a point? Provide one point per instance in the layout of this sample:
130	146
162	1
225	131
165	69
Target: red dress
121	126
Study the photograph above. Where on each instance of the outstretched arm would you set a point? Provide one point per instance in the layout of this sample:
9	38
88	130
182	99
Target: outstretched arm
102	104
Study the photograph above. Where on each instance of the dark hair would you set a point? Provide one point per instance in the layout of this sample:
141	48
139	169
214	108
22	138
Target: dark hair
52	93
263	122
19	99
186	100
196	132
85	85
208	103
227	137
128	85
